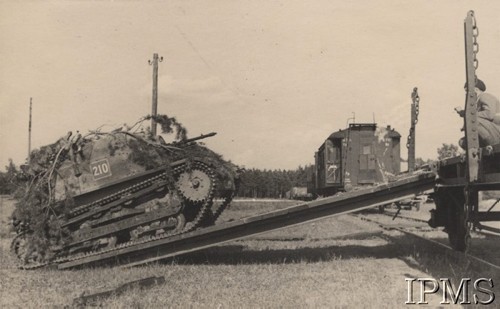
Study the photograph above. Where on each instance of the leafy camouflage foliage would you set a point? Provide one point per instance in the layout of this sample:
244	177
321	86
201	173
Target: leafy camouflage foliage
170	125
36	207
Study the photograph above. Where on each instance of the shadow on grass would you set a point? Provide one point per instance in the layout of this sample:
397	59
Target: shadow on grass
436	261
239	254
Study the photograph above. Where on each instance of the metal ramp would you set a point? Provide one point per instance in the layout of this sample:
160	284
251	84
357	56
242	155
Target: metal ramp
158	249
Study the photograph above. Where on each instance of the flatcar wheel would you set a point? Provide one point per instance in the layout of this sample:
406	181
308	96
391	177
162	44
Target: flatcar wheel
457	228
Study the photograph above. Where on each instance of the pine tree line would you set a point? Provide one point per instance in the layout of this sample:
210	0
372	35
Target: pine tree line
256	183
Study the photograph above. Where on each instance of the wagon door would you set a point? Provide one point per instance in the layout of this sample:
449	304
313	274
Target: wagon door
332	163
367	162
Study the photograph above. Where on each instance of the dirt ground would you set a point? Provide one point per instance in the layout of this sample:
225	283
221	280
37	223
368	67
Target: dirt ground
342	262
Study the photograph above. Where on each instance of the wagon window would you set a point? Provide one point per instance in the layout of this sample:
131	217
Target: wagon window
367	149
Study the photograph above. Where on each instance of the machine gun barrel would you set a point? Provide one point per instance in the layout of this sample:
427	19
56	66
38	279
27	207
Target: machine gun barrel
193	139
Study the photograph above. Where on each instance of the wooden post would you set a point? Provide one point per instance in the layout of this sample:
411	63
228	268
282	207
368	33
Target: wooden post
411	137
154	108
470	117
95	298
29	132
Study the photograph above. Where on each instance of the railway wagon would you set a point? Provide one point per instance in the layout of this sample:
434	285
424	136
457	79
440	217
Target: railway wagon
362	154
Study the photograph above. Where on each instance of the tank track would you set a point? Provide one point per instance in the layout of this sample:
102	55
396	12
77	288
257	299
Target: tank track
220	209
226	202
119	198
204	217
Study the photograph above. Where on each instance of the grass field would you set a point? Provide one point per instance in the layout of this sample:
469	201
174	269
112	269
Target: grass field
339	262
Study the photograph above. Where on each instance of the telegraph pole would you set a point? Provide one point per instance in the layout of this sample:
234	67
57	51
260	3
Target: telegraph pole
154	108
410	144
29	132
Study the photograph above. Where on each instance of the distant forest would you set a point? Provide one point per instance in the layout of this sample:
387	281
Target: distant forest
257	183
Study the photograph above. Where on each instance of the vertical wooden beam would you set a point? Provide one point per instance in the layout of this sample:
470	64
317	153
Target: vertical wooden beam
411	138
470	117
154	108
29	131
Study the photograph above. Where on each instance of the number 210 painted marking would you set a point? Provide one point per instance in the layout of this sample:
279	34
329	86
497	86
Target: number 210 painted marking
100	169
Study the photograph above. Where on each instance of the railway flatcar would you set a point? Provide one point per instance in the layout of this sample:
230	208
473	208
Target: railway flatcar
363	154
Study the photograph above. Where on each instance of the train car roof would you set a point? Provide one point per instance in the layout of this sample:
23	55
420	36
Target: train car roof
362	127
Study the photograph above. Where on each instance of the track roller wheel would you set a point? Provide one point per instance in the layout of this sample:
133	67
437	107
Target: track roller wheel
181	223
195	186
27	256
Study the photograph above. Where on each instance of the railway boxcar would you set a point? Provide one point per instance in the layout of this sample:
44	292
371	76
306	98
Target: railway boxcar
362	154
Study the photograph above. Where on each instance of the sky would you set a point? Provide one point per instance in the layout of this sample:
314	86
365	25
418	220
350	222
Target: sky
273	78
